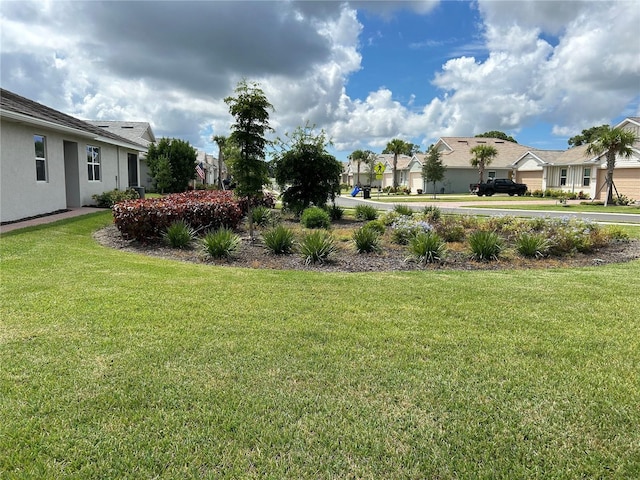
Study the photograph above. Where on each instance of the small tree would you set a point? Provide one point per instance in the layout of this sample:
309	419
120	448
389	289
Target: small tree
398	146
483	155
306	173
358	157
370	161
612	142
433	169
163	177
250	108
182	159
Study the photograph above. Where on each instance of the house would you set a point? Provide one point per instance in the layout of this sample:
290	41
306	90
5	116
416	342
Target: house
456	156
209	164
574	171
137	132
51	161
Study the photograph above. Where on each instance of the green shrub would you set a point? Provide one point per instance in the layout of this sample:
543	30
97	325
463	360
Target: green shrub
279	240
366	240
317	246
432	213
622	200
451	229
335	212
532	245
403	210
315	217
485	245
616	233
366	212
221	243
427	247
389	218
179	234
376	225
109	199
261	216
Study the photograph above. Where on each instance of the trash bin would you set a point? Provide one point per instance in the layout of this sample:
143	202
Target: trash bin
366	192
355	191
139	190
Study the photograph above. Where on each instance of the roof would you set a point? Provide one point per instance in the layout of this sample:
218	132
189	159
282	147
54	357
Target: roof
456	151
139	132
20	108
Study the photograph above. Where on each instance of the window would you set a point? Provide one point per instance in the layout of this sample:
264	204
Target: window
39	142
563	176
93	163
491	174
586	177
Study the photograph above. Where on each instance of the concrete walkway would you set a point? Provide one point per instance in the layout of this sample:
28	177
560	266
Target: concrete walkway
71	213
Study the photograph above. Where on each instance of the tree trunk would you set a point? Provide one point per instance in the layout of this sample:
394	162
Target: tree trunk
219	168
481	170
395	169
611	164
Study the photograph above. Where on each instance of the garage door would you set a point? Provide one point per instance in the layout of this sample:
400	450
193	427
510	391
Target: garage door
532	179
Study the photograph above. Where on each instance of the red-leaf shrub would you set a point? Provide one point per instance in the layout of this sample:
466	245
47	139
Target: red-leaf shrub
149	218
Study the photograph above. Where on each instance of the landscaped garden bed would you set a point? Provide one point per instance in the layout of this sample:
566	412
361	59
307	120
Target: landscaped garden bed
509	243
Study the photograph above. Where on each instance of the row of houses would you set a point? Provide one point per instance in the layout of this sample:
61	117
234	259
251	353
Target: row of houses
50	161
569	170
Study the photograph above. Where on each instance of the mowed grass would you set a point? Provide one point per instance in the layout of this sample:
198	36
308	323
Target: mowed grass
114	365
572	208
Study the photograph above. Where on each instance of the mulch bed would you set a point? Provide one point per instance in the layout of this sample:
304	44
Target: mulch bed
393	257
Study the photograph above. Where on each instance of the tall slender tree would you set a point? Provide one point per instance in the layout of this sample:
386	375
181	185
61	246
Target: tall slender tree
433	169
250	108
221	140
612	142
357	157
398	146
483	155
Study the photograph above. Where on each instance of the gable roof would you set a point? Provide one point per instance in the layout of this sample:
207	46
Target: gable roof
139	132
21	109
456	151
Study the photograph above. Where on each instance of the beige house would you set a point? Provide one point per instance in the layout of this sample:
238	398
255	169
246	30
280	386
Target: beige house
574	171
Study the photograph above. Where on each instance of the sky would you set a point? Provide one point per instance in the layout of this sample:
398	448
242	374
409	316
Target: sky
365	72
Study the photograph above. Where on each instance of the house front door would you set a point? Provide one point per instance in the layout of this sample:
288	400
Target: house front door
132	160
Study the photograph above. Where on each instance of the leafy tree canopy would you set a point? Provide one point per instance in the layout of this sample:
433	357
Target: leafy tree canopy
182	162
250	108
588	135
306	172
497	134
400	147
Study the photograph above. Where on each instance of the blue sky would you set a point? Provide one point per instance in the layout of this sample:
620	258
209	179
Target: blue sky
363	71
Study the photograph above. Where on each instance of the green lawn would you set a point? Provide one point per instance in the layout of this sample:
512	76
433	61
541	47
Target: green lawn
571	208
114	365
449	198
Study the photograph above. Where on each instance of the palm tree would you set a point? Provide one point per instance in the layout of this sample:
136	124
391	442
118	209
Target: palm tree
357	156
221	141
397	147
483	155
612	142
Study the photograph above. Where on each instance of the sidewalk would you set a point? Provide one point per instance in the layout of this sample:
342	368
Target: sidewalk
71	213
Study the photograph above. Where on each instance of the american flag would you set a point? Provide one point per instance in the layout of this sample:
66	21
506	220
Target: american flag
200	171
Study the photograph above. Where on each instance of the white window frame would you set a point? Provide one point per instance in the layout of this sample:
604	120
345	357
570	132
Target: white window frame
563	177
491	174
586	177
93	164
41	160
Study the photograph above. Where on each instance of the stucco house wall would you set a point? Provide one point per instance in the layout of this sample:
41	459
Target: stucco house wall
66	183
